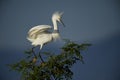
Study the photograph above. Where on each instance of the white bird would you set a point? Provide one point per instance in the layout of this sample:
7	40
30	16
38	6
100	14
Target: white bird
40	35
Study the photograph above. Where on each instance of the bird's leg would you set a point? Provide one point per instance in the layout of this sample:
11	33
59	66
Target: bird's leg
41	57
34	52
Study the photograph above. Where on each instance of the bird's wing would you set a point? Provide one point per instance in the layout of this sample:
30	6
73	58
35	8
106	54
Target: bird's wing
38	29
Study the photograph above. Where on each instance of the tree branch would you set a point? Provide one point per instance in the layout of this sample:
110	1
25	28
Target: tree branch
52	76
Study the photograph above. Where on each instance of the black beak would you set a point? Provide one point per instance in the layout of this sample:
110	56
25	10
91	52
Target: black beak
62	22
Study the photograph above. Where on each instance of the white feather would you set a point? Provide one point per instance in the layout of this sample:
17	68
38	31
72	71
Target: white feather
40	35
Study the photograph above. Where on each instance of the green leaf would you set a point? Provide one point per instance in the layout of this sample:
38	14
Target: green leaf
57	66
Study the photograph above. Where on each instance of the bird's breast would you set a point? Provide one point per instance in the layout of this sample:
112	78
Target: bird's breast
55	36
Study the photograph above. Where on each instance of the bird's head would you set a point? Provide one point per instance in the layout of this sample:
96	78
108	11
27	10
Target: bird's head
57	16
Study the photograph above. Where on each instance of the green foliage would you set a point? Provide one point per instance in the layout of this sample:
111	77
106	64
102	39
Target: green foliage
55	67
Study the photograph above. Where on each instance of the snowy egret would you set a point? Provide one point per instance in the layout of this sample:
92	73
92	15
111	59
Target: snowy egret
40	35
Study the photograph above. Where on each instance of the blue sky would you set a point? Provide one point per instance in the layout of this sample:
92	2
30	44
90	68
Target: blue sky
94	21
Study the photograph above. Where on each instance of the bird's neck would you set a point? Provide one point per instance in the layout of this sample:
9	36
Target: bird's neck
55	25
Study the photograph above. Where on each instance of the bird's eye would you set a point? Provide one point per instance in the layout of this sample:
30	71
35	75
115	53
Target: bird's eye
60	17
